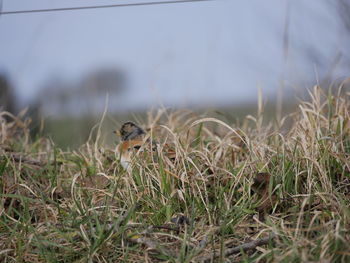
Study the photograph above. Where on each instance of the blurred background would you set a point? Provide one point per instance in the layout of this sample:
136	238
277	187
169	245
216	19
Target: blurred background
203	55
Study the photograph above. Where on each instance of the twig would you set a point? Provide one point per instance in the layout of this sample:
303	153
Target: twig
18	158
250	245
176	229
239	249
151	245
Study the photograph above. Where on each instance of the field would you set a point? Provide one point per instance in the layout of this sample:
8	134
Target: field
257	191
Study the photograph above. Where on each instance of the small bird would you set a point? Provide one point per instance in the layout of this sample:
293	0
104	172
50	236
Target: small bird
133	138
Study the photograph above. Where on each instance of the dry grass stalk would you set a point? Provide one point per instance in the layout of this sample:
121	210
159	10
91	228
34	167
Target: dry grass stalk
59	206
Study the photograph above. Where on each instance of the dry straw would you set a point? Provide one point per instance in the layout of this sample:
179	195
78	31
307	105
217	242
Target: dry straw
250	193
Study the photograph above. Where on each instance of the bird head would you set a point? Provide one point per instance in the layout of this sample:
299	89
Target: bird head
130	131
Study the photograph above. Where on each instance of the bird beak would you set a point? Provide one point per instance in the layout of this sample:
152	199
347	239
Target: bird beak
116	132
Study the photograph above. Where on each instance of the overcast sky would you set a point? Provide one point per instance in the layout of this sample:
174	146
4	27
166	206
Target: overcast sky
204	53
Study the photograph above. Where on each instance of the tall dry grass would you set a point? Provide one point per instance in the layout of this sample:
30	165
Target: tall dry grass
284	184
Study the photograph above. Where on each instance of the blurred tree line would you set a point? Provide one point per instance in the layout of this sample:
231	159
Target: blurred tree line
69	109
86	97
72	109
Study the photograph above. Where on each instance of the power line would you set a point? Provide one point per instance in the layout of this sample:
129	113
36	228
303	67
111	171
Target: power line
100	6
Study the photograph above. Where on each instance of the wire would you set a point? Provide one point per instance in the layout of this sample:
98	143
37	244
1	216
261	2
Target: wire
100	6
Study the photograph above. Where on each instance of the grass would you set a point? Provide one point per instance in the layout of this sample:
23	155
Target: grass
286	186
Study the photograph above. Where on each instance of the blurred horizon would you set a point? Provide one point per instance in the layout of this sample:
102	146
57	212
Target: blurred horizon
188	55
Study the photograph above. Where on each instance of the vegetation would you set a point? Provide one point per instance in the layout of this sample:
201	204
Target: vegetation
284	184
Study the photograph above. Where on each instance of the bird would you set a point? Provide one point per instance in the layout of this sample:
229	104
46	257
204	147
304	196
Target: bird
133	139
